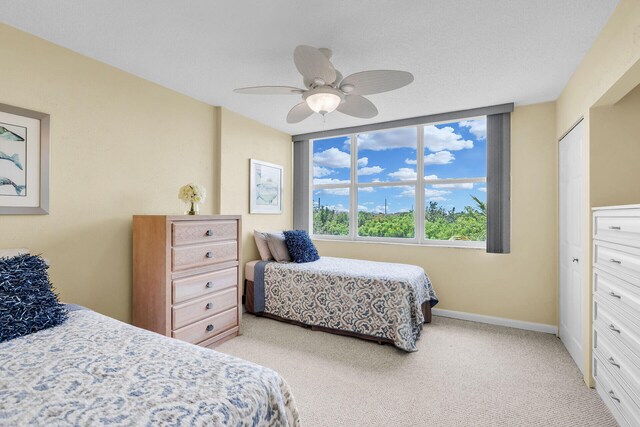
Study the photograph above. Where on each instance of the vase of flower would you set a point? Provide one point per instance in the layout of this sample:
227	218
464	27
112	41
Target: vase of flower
193	208
192	195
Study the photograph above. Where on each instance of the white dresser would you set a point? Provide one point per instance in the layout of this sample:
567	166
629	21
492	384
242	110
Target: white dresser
616	310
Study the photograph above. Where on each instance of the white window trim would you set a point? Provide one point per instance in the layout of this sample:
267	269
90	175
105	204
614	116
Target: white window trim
420	182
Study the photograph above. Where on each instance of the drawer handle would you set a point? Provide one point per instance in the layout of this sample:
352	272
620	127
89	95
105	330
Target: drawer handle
613	362
209	306
209	232
209	284
613	396
209	328
209	254
616	261
613	328
613	294
615	227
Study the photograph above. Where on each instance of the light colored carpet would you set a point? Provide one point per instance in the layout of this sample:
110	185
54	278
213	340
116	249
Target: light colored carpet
464	374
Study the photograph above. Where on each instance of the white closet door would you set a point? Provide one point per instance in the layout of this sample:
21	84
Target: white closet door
572	207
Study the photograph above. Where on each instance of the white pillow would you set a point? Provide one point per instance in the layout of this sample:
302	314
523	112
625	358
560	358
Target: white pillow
278	247
263	246
8	253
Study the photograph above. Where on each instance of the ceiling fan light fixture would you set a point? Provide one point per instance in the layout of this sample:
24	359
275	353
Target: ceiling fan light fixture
323	100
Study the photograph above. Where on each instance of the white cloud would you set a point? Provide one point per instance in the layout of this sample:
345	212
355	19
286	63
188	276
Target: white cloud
437	199
337	207
370	170
404	174
380	141
407	192
483	189
439	139
362	208
435	193
439	158
431	177
477	127
457	186
325	181
332	158
319	171
366	190
335	191
363	161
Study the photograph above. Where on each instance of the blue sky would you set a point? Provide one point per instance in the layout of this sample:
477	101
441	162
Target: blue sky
452	150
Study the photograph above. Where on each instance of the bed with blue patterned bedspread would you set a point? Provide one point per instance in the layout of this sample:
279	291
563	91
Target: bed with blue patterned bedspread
376	299
96	371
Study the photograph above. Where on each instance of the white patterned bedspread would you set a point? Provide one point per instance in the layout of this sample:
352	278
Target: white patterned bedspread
96	371
372	298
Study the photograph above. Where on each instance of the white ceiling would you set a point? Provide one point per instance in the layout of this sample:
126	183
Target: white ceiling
463	54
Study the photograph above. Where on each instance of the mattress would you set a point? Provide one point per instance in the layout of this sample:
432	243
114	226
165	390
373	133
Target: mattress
249	270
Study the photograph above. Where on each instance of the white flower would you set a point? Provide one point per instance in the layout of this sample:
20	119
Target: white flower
192	193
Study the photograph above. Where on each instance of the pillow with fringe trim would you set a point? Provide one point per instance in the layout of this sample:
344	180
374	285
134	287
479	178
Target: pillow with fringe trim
27	300
300	246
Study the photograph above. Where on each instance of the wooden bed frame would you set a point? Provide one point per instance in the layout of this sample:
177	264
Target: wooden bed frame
248	305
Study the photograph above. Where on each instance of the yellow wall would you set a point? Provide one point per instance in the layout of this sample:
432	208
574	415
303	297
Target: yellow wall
121	146
607	73
615	52
521	285
243	139
615	152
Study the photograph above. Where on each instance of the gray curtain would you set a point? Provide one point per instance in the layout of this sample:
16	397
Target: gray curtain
499	183
301	197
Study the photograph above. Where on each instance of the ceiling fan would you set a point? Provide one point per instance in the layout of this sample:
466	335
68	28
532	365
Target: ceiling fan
326	89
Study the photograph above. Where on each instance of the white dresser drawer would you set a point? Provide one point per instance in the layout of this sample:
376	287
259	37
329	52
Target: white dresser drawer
618	362
618	293
621	404
617	328
617	259
619	226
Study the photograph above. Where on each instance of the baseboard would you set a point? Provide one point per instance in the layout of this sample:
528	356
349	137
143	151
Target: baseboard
500	321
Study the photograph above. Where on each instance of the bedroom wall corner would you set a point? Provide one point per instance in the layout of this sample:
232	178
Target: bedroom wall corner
242	139
120	146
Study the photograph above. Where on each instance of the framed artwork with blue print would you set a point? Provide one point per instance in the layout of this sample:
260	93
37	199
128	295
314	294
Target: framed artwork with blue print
24	161
265	188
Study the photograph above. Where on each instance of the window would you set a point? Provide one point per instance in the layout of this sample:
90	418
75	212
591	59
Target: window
366	186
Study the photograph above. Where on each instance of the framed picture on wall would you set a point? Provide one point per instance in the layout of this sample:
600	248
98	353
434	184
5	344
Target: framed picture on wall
24	161
265	188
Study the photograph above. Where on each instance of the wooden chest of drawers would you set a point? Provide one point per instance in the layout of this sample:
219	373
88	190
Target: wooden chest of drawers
616	310
186	276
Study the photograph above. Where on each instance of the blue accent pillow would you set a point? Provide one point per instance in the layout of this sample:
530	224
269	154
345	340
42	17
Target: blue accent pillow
300	246
27	301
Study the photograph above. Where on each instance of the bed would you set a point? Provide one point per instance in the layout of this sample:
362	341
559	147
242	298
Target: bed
65	365
383	302
94	370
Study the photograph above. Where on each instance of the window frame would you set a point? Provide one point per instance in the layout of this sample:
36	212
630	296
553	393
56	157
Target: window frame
419	199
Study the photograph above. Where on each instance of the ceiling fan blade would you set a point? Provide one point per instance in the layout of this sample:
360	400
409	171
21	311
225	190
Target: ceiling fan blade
358	106
299	112
269	90
312	63
376	81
